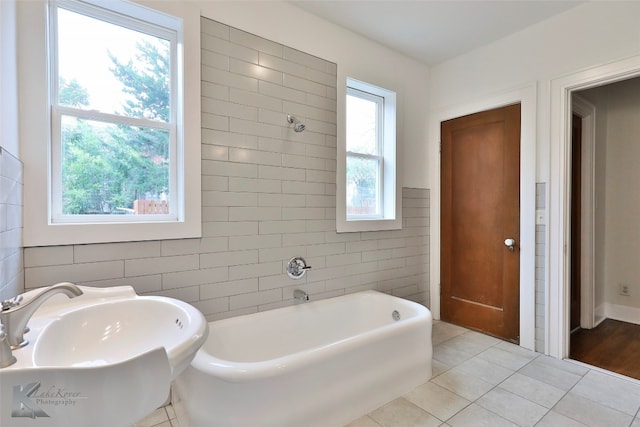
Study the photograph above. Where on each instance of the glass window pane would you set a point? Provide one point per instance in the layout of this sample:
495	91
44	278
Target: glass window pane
363	181
107	167
112	69
361	125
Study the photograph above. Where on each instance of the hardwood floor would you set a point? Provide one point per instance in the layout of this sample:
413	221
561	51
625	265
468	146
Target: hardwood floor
612	345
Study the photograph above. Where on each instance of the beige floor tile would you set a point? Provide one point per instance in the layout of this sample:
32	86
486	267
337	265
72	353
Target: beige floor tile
562	365
438	368
590	413
549	374
468	386
472	342
513	348
554	419
476	416
507	359
364	421
485	370
436	400
512	407
450	356
536	391
443	331
171	413
156	418
402	413
616	393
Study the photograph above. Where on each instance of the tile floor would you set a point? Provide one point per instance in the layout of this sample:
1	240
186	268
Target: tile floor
482	381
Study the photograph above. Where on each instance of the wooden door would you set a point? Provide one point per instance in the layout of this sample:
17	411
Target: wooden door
480	209
576	215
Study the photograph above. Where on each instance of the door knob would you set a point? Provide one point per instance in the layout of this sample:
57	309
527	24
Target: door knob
510	243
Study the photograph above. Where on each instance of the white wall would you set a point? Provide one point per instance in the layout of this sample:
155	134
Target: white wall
583	37
11	265
8	78
622	240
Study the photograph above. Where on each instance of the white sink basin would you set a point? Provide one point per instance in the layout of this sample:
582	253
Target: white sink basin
115	331
104	358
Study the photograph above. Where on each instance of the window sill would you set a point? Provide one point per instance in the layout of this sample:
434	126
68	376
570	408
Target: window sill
354	226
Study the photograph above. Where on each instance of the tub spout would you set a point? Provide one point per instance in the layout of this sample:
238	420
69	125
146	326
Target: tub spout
15	315
300	295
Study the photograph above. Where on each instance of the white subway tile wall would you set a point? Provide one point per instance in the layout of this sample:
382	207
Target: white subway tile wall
268	194
11	253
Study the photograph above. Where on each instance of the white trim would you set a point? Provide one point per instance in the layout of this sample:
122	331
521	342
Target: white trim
587	112
142	21
392	193
527	97
623	313
558	230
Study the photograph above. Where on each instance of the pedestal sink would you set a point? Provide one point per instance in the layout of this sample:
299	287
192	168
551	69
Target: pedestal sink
105	358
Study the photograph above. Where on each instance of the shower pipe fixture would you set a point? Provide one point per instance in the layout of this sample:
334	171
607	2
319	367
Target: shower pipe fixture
298	126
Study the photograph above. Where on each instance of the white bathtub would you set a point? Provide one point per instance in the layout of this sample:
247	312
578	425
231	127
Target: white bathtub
321	363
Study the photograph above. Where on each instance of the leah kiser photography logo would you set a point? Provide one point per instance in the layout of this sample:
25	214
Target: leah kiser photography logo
29	400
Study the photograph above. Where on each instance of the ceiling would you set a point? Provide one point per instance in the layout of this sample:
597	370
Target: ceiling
433	31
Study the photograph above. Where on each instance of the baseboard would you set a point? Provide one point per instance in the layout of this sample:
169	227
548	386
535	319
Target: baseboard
599	315
622	312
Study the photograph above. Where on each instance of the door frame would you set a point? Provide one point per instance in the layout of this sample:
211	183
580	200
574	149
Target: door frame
587	112
557	284
527	97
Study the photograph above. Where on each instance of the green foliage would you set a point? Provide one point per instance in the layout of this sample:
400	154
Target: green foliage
72	94
147	81
105	166
362	177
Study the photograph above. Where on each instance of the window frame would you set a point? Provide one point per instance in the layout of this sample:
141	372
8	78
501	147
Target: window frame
37	118
378	156
173	127
390	217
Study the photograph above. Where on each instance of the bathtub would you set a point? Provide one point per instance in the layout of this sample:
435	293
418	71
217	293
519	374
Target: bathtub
322	363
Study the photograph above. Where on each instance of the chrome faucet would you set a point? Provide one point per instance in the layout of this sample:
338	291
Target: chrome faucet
300	295
15	315
6	357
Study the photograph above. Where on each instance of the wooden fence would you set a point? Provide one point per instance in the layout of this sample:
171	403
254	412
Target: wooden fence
150	207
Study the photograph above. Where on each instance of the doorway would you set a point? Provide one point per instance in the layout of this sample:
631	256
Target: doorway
480	221
610	338
557	287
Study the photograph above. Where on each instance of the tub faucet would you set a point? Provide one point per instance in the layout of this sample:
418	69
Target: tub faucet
15	315
300	295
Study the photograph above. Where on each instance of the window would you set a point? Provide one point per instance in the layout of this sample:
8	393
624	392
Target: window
114	126
365	159
121	101
370	182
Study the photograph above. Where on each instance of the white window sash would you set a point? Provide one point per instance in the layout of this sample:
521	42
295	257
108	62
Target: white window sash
378	156
130	16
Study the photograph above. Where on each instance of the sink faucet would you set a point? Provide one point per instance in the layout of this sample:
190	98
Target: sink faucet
15	315
300	295
6	357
